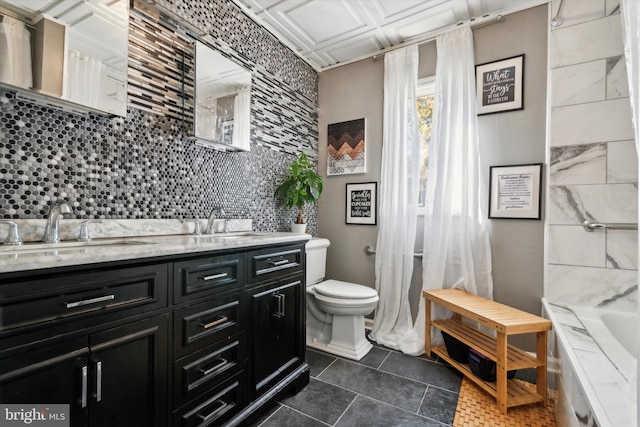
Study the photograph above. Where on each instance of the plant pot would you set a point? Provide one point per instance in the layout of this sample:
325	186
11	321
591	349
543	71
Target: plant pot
298	228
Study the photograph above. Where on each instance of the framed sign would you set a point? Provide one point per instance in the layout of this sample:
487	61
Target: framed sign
361	203
515	191
499	85
346	146
227	132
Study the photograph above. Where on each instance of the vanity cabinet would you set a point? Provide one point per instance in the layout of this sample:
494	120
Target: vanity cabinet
277	309
277	345
65	338
204	339
209	345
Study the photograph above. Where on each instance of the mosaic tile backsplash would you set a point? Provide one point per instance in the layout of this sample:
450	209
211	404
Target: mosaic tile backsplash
139	167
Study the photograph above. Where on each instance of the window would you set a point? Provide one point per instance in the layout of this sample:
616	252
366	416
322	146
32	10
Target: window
424	104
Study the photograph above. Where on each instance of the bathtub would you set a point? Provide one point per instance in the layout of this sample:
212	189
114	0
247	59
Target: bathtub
595	353
616	335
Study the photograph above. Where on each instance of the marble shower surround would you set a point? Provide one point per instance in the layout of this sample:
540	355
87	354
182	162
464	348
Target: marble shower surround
592	161
140	167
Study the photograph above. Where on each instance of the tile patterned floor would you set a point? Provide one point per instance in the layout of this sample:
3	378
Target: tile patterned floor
385	388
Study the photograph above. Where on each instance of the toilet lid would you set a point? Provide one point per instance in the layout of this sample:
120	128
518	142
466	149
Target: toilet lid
338	289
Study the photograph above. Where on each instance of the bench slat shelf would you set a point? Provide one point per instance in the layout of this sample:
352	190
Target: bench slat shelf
486	344
505	321
517	393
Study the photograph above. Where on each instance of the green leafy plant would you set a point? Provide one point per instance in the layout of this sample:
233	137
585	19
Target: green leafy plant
302	185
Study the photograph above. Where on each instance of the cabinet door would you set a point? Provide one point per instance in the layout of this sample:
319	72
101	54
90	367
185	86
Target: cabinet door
128	370
277	322
55	374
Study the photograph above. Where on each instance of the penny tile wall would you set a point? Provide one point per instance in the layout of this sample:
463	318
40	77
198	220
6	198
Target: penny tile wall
140	166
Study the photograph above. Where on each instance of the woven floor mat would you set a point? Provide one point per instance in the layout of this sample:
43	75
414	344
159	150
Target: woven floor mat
477	408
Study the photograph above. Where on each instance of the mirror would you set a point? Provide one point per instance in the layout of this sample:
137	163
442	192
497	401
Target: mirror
222	100
70	50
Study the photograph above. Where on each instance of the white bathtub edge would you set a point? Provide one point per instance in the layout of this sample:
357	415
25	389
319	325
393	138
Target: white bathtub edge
593	397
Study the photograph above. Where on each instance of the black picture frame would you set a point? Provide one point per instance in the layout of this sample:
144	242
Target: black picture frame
515	191
500	85
361	203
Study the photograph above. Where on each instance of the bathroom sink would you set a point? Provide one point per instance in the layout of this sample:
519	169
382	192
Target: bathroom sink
213	238
39	246
238	234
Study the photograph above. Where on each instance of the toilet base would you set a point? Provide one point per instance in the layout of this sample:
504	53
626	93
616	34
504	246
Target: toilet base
347	338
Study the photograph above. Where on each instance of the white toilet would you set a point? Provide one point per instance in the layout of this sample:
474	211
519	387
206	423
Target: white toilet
335	309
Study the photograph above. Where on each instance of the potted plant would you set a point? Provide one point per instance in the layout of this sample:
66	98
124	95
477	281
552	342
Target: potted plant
302	185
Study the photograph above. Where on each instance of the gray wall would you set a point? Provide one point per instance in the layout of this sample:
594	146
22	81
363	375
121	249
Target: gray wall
516	137
348	93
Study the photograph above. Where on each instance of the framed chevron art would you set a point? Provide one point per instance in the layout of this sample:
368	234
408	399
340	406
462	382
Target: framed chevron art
346	148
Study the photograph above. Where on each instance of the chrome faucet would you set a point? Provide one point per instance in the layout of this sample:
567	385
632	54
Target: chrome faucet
13	237
51	231
211	228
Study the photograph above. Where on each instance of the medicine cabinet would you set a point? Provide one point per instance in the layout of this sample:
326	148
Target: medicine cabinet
222	101
70	53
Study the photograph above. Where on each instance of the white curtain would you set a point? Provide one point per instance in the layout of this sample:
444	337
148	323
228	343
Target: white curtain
457	252
630	13
15	53
398	196
241	118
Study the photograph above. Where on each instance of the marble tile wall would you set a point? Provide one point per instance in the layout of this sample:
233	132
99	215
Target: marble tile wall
592	160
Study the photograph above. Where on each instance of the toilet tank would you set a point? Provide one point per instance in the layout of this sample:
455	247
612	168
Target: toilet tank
316	250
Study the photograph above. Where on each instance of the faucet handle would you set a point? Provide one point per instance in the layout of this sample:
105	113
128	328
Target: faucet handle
13	237
84	236
196	227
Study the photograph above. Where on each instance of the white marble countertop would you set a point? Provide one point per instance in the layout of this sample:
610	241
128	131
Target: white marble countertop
32	255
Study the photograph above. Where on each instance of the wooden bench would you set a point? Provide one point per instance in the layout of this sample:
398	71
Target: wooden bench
505	321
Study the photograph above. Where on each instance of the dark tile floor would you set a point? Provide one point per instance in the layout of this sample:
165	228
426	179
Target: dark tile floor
386	388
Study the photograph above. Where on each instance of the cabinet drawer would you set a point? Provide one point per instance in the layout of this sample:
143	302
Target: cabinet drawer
276	262
207	276
203	369
81	294
206	323
215	407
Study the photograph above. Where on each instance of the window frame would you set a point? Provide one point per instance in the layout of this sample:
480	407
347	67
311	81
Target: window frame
426	86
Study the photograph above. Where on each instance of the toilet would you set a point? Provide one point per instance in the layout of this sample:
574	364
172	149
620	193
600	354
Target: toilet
335	309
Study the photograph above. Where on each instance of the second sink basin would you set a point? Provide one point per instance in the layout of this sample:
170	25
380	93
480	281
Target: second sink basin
37	246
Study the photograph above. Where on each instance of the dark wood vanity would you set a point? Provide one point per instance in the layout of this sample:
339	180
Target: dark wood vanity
197	339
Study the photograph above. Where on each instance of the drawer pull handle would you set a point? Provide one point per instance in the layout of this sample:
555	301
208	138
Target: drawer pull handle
89	301
214	323
214	276
216	412
221	362
85	378
279	262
